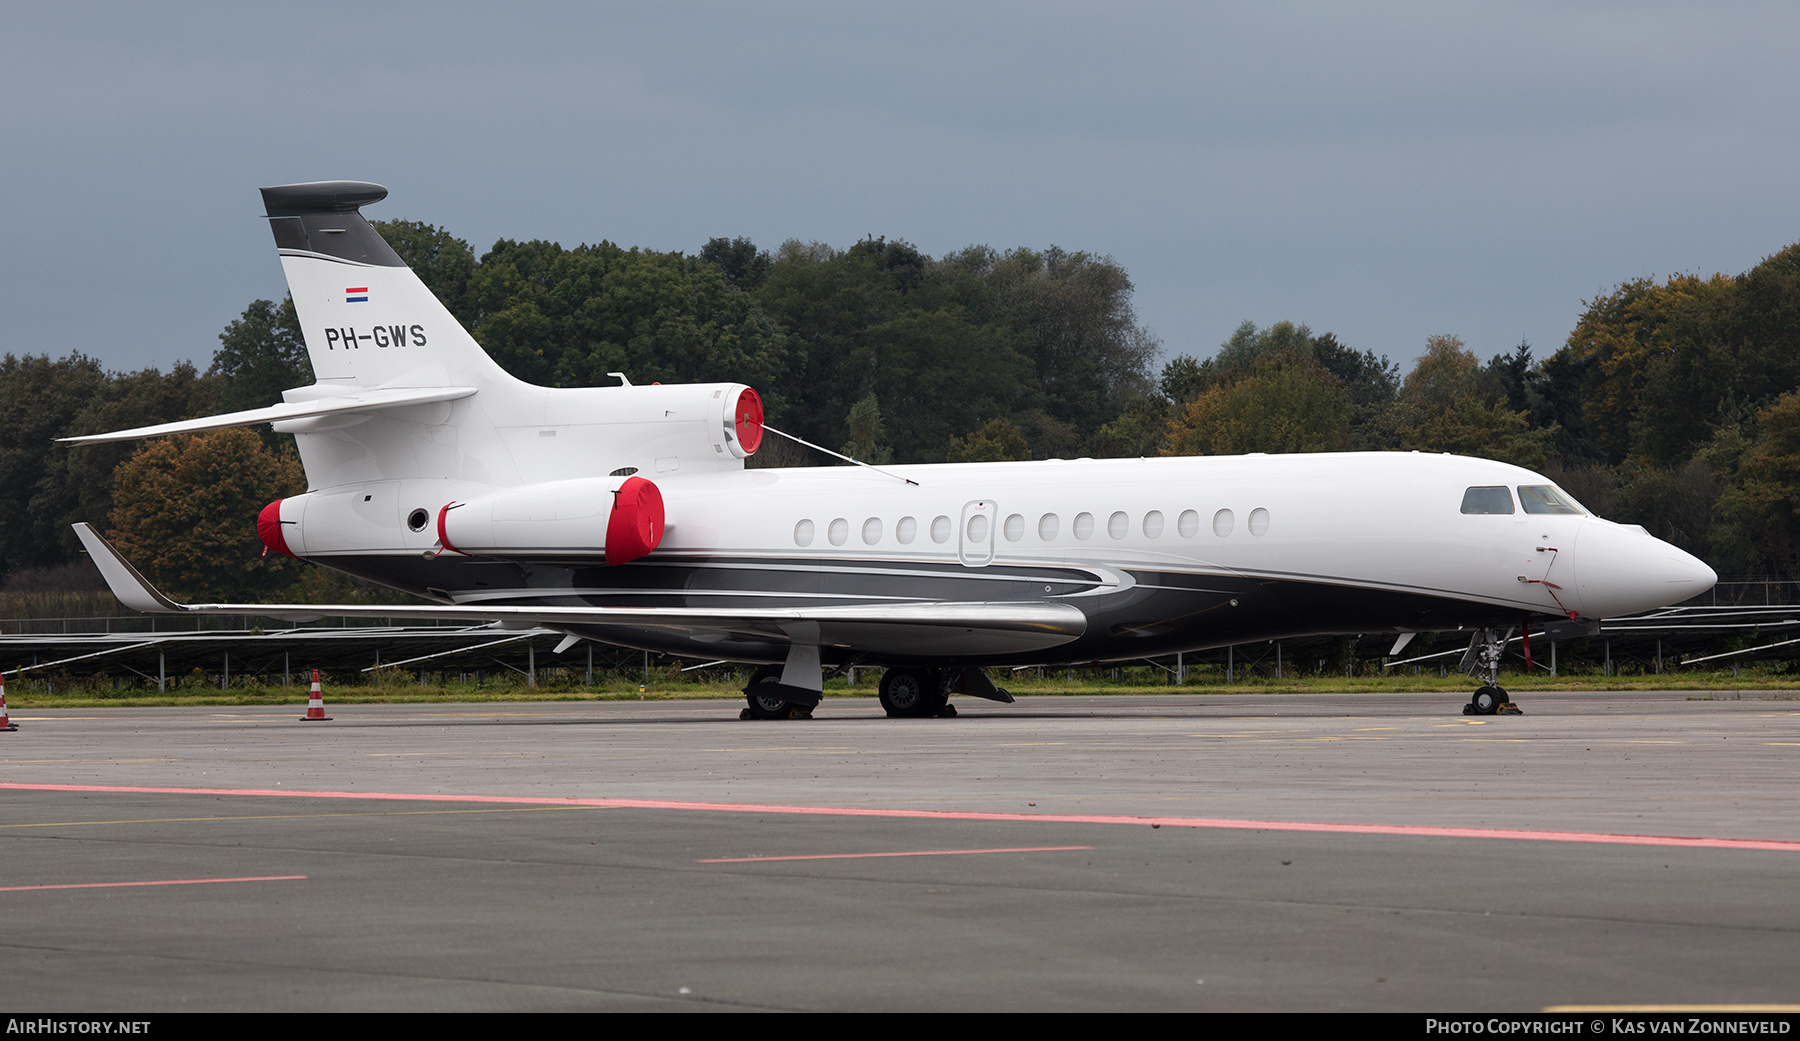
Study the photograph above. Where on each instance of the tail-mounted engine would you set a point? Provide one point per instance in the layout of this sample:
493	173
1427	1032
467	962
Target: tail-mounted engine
633	435
620	518
656	428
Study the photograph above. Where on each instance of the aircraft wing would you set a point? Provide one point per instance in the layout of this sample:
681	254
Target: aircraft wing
956	628
361	401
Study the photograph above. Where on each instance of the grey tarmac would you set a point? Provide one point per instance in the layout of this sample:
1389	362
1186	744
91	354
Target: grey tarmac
852	862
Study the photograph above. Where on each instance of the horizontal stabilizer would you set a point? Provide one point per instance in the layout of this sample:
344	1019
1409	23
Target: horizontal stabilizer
973	628
359	401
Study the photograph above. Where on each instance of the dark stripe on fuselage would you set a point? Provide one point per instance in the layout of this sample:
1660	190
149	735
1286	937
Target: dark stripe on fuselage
1155	612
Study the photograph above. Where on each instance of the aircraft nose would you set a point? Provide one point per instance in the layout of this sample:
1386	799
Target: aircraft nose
1622	569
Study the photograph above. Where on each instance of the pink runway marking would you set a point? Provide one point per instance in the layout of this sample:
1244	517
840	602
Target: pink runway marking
1422	830
157	882
903	853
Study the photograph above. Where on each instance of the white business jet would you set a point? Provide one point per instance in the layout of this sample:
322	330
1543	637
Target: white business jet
626	515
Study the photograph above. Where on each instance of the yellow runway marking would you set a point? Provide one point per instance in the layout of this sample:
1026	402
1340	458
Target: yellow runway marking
469	755
792	748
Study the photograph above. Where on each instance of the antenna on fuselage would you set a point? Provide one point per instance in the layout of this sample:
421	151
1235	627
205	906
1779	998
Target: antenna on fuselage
839	455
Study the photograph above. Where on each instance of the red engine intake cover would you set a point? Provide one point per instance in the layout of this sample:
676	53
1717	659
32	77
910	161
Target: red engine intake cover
268	528
636	524
747	416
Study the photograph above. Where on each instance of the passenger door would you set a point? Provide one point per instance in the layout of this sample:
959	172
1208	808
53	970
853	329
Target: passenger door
975	535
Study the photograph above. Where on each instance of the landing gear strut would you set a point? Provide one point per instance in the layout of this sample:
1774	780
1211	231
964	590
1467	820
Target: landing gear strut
1482	660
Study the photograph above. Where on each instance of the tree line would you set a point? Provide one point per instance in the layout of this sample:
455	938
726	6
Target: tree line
1674	404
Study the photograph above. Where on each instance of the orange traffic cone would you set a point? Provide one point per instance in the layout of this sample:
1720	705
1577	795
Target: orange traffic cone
5	723
315	705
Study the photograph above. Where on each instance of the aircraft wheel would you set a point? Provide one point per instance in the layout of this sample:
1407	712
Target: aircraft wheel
1487	701
764	706
912	693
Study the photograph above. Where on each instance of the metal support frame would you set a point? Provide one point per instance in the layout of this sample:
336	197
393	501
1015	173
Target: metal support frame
1482	659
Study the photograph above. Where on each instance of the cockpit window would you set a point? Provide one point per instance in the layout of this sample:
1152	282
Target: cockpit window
1547	498
1487	500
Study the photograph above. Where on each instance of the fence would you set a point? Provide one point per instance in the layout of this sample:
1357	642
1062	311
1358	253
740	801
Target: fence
1742	620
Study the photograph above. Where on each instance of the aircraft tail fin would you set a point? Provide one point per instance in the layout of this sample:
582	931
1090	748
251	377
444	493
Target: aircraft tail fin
367	318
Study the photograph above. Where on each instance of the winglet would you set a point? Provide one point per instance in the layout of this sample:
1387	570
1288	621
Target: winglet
132	589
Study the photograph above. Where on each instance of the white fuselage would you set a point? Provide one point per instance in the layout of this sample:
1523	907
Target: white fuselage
1196	550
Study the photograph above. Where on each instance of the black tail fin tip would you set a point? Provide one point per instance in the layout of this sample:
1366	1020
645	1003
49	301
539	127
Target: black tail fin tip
300	200
321	219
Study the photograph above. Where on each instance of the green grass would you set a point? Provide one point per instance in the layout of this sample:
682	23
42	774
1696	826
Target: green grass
668	685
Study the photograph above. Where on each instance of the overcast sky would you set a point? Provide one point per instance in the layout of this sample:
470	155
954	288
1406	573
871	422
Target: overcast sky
1382	171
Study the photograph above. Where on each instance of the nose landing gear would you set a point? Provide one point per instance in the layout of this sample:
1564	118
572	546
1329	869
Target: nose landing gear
1482	660
1490	701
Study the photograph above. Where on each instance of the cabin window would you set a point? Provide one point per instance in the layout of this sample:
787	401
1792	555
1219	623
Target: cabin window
1487	500
1153	524
978	529
1015	528
1546	498
1222	522
1118	525
871	531
1188	523
803	533
906	531
1259	521
940	529
1047	527
839	532
1084	525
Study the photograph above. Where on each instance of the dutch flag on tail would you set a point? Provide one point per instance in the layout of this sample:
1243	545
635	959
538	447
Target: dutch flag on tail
356	295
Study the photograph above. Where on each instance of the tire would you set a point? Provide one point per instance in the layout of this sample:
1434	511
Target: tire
912	693
764	706
1487	701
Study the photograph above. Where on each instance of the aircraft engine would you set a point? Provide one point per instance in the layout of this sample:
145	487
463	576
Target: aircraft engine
744	418
618	517
658	428
268	528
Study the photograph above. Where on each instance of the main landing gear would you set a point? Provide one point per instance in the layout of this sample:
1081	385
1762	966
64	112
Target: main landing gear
906	692
921	693
763	697
1482	660
915	693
